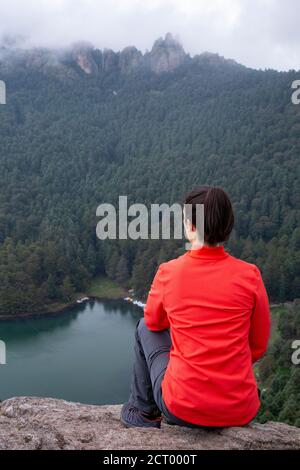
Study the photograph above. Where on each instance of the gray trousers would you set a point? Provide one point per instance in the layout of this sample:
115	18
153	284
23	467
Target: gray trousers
151	359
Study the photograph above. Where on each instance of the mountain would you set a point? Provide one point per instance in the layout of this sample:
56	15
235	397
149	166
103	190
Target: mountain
82	126
166	55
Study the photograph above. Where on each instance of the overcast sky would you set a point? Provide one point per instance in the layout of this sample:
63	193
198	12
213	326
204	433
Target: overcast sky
256	33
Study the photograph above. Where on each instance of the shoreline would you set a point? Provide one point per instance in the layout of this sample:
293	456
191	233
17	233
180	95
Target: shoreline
63	307
100	288
57	308
54	311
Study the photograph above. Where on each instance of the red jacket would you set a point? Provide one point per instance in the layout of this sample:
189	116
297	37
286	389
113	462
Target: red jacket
217	309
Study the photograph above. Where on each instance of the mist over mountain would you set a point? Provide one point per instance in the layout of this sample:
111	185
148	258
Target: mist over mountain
166	55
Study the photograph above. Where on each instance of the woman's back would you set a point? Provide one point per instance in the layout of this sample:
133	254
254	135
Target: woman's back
218	312
211	312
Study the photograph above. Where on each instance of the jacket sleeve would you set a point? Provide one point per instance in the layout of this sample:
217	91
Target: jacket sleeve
155	315
260	320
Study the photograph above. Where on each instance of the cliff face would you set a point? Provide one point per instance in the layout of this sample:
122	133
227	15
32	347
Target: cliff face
166	55
44	423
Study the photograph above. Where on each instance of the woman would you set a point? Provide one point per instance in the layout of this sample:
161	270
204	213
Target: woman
205	323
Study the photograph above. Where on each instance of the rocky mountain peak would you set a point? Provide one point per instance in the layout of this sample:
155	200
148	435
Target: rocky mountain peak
167	54
130	59
82	54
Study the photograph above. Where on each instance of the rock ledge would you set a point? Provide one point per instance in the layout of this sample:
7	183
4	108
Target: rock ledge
45	423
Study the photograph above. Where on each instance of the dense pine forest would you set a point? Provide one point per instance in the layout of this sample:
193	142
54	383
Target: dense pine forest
75	136
279	377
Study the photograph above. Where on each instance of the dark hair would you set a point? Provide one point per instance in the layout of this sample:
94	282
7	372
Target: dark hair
218	213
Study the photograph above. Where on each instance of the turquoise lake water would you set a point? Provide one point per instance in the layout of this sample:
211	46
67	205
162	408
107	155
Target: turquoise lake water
83	354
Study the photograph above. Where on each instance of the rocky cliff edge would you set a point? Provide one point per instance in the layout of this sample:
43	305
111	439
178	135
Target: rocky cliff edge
45	423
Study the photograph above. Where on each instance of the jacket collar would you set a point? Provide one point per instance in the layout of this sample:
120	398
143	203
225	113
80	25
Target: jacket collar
208	252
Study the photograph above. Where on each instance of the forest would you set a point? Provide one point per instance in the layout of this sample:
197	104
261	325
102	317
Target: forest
278	376
70	141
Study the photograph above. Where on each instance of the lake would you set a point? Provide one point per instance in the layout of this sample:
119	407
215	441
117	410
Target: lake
83	354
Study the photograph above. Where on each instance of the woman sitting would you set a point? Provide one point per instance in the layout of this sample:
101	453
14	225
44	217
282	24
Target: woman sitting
205	323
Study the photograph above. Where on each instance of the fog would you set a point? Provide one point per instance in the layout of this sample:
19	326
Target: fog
256	33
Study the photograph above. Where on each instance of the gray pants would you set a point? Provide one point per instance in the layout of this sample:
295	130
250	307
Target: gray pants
152	350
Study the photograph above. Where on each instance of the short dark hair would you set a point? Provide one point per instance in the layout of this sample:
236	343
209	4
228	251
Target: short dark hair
218	212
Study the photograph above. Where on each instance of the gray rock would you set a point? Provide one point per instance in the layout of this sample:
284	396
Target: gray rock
45	423
166	55
110	60
83	56
130	59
